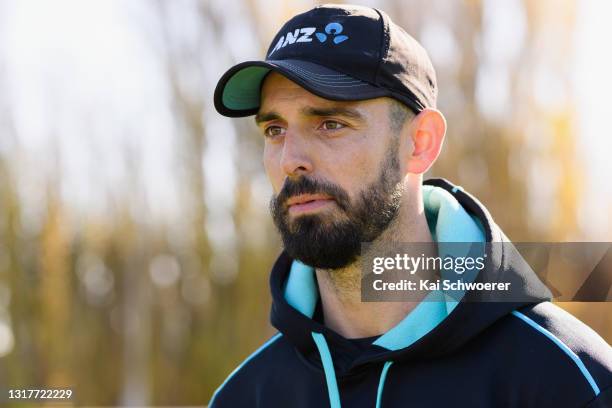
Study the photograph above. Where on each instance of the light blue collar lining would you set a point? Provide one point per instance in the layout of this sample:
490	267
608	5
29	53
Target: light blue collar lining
448	222
301	288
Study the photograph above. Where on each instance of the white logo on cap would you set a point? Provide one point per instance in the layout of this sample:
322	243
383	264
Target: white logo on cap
302	35
297	36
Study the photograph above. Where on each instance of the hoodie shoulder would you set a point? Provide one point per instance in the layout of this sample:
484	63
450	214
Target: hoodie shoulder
239	387
564	352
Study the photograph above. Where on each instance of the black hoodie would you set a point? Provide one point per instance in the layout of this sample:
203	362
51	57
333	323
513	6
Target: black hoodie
521	352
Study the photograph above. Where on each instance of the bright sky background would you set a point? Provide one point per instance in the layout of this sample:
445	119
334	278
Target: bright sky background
593	87
83	82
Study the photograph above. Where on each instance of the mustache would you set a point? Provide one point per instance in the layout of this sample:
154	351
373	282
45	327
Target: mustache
305	185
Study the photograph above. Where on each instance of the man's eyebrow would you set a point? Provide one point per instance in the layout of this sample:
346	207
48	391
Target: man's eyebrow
312	111
333	111
266	117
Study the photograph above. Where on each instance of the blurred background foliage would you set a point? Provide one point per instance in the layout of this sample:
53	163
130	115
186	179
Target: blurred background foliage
135	243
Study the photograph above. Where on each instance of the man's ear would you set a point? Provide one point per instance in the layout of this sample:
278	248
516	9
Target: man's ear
427	131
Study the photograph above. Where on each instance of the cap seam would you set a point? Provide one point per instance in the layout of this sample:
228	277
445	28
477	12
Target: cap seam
339	70
384	47
280	62
348	78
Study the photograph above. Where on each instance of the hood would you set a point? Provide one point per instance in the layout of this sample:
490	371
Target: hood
433	328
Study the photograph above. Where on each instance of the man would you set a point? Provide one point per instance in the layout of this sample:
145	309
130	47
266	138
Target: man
346	103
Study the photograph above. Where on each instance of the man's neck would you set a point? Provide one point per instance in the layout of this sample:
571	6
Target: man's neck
340	289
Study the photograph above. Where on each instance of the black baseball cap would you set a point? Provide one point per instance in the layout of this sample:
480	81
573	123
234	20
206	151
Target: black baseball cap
338	52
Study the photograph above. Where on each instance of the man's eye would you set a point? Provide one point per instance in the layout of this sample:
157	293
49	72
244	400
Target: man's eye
332	125
274	131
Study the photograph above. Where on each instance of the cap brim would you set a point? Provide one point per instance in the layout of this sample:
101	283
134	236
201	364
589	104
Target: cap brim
238	91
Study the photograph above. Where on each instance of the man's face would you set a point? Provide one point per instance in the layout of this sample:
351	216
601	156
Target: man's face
334	168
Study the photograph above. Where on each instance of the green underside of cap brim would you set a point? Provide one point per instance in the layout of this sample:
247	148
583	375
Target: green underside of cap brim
242	91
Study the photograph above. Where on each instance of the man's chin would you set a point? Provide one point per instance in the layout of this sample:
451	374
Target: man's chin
325	216
310	225
327	259
320	246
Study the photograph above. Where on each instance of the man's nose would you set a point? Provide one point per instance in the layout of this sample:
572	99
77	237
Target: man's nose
295	159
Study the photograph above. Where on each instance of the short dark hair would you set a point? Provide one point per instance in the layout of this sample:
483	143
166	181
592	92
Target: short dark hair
398	115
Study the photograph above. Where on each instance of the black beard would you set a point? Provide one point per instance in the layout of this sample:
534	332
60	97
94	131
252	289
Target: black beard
322	242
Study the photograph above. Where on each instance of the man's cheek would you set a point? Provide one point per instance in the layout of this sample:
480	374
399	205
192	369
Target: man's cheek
273	172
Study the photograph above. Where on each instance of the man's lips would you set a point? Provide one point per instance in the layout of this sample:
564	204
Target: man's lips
308	202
